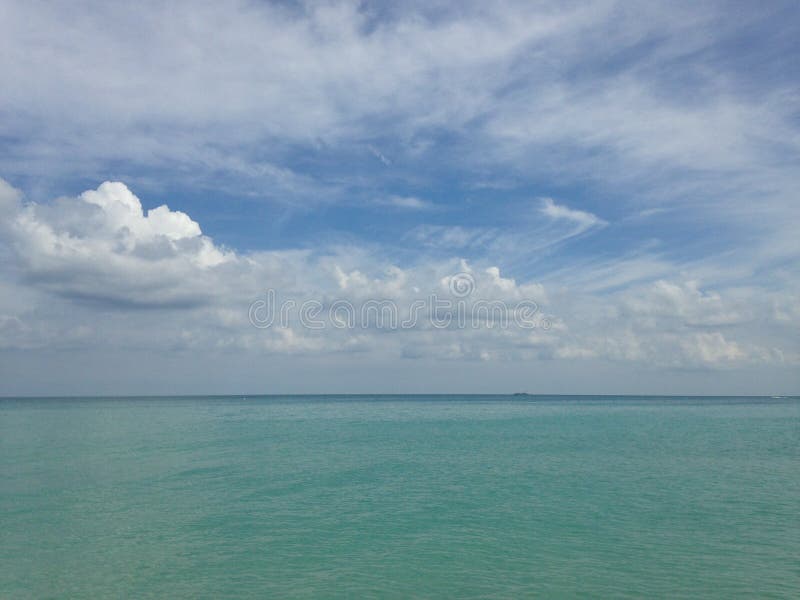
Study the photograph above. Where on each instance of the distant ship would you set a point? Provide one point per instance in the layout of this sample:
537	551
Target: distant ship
520	394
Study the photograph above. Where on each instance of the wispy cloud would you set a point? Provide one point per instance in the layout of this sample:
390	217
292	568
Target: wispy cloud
380	156
582	219
407	203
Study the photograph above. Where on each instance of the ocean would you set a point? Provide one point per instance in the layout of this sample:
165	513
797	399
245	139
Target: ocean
400	497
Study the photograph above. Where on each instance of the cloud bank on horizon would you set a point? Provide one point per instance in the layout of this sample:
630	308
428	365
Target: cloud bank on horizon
630	169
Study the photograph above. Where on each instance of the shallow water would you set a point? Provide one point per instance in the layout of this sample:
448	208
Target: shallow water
445	496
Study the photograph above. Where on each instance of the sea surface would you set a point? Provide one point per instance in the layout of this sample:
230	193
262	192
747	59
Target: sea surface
400	497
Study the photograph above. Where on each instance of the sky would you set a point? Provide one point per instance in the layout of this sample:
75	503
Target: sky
629	172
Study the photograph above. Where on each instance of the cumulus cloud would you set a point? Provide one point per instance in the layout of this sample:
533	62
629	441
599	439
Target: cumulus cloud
684	301
712	348
104	247
122	211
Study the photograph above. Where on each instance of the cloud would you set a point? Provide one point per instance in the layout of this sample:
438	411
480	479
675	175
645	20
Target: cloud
581	219
379	155
407	203
453	237
712	348
102	246
271	76
9	200
684	301
293	113
524	86
122	212
651	110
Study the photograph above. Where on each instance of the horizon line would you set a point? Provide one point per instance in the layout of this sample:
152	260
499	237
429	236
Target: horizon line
385	394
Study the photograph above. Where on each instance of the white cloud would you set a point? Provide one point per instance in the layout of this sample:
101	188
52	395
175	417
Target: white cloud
453	237
379	155
684	301
712	348
515	80
407	203
628	103
581	219
123	212
102	246
305	74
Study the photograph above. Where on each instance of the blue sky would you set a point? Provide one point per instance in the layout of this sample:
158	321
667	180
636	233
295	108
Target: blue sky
633	169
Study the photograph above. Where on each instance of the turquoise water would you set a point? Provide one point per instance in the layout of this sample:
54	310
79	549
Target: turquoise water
396	497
